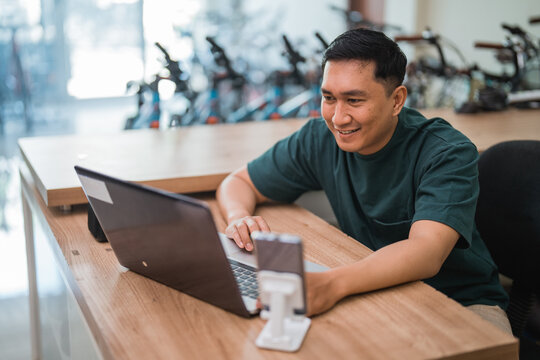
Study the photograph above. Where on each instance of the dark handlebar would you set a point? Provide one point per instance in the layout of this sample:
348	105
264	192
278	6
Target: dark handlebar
219	55
167	56
322	40
486	45
409	38
214	44
173	67
294	56
432	39
514	30
222	59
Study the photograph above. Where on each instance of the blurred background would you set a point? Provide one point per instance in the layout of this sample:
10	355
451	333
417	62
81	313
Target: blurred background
93	66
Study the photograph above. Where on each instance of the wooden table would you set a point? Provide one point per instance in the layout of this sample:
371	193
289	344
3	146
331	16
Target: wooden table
489	128
125	316
201	156
107	312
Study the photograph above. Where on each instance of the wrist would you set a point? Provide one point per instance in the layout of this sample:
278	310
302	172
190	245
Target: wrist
338	283
237	214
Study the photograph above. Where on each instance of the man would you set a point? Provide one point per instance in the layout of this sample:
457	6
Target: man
401	184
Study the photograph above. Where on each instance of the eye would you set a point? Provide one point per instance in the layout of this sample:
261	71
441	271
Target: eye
354	101
328	98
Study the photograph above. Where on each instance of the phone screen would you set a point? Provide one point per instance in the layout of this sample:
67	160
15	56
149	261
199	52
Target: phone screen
281	253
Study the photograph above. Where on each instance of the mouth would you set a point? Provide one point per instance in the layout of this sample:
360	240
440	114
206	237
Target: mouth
346	132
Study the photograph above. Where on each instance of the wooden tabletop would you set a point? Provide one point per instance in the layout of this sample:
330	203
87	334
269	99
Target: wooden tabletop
201	156
489	128
132	317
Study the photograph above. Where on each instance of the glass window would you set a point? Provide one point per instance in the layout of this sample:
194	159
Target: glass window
104	40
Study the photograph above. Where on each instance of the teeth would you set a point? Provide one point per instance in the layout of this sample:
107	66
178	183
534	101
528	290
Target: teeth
347	131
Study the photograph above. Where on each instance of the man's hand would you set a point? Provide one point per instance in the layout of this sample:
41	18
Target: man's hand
237	198
416	258
239	230
321	292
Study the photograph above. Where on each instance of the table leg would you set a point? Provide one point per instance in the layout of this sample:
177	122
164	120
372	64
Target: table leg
35	325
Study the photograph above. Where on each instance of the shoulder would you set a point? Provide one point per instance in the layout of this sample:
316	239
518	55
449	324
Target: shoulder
436	147
434	133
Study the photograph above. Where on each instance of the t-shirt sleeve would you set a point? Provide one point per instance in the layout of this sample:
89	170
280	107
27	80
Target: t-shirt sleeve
286	170
448	190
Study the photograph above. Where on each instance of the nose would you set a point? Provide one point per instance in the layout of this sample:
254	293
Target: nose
341	117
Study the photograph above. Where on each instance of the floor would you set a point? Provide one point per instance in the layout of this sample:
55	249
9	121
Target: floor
74	117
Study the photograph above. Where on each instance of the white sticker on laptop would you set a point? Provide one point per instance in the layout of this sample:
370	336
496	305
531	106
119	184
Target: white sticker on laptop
95	188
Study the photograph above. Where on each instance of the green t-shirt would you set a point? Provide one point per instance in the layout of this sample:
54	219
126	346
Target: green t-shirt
427	171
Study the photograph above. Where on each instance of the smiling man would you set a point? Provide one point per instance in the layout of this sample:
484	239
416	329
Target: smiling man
401	184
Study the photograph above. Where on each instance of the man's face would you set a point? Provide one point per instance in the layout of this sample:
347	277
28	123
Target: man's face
356	107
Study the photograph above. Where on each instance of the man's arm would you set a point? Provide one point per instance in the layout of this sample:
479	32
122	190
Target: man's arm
418	257
237	198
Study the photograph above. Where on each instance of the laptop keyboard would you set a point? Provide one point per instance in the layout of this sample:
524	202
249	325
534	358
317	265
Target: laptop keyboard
246	277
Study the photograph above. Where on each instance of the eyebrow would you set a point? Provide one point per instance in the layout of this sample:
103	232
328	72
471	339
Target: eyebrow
347	93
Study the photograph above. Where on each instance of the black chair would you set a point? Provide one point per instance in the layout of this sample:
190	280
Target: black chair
508	218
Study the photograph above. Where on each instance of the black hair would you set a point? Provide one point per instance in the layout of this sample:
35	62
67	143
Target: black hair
368	45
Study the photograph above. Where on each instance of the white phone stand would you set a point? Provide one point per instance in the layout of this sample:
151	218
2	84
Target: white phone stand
283	292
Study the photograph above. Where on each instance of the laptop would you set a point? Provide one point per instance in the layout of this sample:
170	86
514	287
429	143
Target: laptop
173	239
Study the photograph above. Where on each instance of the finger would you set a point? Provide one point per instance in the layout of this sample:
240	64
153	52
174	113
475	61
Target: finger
252	225
229	231
262	223
244	236
308	278
235	235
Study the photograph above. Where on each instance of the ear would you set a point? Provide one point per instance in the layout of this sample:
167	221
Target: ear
399	95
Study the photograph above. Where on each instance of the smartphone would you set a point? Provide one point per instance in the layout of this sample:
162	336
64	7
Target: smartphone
281	253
